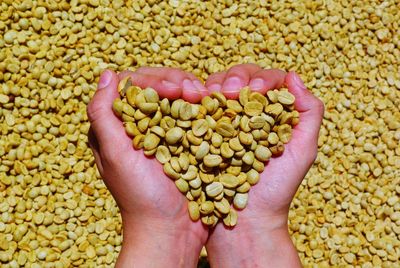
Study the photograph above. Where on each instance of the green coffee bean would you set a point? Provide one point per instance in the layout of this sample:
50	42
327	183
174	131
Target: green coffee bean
253	177
199	127
256	122
274	109
165	107
231	219
151	141
235	144
229	180
147	108
222	206
195	183
285	97
214	189
240	200
150	95
273	138
225	129
163	155
159	131
262	153
226	150
256	96
206	207
182	185
185	111
220	97
194	211
203	150
253	108
248	158
212	160
244	188
174	135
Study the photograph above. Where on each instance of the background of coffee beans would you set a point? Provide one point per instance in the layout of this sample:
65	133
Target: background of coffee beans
54	209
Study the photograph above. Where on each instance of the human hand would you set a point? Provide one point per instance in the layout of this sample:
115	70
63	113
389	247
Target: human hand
261	234
157	229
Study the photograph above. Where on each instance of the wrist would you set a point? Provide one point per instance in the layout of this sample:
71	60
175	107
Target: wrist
253	242
159	244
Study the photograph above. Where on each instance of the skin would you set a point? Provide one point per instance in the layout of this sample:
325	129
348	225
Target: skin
154	212
261	237
156	227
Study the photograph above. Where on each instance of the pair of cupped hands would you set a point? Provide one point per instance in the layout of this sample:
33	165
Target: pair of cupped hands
157	230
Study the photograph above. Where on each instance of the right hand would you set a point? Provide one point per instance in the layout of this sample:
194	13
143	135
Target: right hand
261	234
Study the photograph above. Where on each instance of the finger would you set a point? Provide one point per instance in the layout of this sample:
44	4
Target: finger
311	109
192	88
214	81
107	128
238	77
94	145
190	91
178	74
264	80
164	87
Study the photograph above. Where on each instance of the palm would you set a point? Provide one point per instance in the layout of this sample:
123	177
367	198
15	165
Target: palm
150	187
142	188
272	196
279	181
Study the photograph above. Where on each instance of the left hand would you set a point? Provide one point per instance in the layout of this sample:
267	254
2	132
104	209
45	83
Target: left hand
157	229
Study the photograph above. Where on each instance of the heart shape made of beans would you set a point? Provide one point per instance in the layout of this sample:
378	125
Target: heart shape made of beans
214	151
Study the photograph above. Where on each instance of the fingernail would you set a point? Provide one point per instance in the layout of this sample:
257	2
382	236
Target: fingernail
298	82
257	84
215	87
232	84
105	79
188	85
169	85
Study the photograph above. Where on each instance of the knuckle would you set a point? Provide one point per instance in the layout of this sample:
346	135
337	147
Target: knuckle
319	107
95	111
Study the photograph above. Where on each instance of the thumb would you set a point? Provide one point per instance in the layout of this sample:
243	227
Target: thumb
311	109
107	128
304	143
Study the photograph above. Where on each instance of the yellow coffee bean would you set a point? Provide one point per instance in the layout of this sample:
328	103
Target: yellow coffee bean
252	177
214	189
203	150
211	160
151	141
206	207
163	155
262	153
274	109
174	135
229	180
230	219
253	108
194	211
222	206
225	129
182	185
285	97
199	127
240	200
